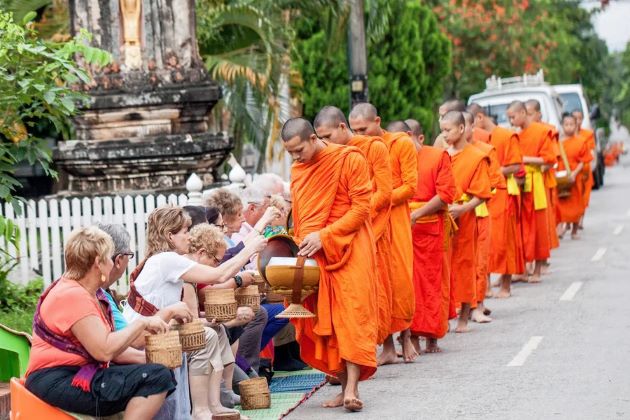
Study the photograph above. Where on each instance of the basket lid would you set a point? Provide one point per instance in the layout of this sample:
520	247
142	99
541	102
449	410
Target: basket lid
277	246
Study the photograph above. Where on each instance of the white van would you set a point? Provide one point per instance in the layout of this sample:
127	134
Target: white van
500	92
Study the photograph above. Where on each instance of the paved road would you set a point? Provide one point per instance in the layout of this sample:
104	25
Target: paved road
581	366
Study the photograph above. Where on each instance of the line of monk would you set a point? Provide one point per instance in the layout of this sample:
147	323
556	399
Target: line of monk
408	234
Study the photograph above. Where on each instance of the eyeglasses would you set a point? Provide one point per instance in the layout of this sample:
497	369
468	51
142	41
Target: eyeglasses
222	226
129	254
216	260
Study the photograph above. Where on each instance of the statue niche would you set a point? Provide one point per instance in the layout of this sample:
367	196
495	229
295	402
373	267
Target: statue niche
130	13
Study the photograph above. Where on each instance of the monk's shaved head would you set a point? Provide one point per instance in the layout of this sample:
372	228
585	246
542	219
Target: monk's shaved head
330	116
468	117
454	105
415	127
297	127
365	111
517	106
533	104
455	117
476	109
398	127
577	113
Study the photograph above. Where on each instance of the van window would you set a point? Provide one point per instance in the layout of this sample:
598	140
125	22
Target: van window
499	113
571	102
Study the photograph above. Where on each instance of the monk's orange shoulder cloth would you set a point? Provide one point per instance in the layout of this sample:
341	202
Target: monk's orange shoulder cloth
331	195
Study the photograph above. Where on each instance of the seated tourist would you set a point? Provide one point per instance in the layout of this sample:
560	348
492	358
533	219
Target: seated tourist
158	281
74	341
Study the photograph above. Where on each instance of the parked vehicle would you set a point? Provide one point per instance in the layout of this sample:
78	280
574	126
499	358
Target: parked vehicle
574	99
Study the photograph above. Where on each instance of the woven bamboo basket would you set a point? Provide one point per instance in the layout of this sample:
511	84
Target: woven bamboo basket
254	394
248	296
220	304
260	283
226	416
192	336
164	349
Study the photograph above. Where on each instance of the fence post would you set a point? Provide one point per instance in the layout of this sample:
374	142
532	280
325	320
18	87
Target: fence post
194	187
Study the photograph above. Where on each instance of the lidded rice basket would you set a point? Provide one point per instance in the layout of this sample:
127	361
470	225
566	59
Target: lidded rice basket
254	394
248	296
164	349
288	275
192	336
220	304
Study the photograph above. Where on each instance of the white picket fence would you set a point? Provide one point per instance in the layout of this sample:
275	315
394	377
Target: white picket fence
46	224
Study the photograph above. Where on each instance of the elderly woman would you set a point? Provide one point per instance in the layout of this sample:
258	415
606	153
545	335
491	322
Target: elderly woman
74	341
158	281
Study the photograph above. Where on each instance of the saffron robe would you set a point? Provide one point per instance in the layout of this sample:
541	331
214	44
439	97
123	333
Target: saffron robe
404	165
331	195
587	171
553	209
506	242
484	225
377	155
536	141
572	208
432	288
471	173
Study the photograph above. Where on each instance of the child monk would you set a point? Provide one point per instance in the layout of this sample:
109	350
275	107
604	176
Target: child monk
535	142
577	152
480	138
364	120
435	191
471	173
331	125
506	245
331	193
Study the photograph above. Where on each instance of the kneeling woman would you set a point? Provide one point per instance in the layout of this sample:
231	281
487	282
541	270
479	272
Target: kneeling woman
74	342
158	282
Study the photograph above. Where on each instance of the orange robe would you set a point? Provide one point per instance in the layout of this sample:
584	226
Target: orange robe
553	209
380	172
572	208
432	290
481	135
331	195
506	242
587	171
535	141
471	173
404	165
484	225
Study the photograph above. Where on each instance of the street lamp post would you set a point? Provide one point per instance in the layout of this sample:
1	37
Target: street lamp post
357	53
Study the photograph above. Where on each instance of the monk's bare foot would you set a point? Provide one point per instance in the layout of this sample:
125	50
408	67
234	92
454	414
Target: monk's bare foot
478	316
462	327
432	346
575	236
520	278
545	268
489	293
332	380
535	278
502	294
387	357
415	340
353	404
335	402
496	283
409	351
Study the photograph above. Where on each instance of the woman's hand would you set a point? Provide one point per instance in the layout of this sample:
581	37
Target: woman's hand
269	216
156	325
257	244
181	312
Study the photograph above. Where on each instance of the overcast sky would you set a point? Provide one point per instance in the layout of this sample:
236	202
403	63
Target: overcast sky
613	24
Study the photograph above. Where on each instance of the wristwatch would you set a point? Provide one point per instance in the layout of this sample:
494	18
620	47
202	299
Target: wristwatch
238	280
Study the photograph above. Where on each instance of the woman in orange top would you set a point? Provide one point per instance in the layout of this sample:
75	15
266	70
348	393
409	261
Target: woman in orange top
572	207
74	341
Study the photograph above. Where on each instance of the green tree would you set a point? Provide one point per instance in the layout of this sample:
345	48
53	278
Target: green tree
407	64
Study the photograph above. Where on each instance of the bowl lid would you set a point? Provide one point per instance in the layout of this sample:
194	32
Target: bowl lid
290	261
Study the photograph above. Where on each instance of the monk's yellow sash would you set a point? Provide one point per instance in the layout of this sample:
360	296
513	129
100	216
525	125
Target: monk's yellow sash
512	186
535	184
480	211
430	218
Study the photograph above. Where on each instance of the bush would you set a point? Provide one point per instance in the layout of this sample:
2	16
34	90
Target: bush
18	303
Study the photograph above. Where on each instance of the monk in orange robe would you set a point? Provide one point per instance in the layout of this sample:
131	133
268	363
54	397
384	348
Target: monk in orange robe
331	193
587	171
435	191
331	125
506	245
472	180
536	146
480	138
534	114
578	154
364	120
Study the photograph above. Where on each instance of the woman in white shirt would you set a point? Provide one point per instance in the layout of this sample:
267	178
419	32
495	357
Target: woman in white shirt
158	282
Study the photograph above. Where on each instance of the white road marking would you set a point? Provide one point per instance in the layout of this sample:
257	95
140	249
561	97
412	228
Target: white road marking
599	254
618	230
528	348
569	294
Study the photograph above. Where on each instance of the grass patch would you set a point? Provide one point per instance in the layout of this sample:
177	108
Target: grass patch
20	320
